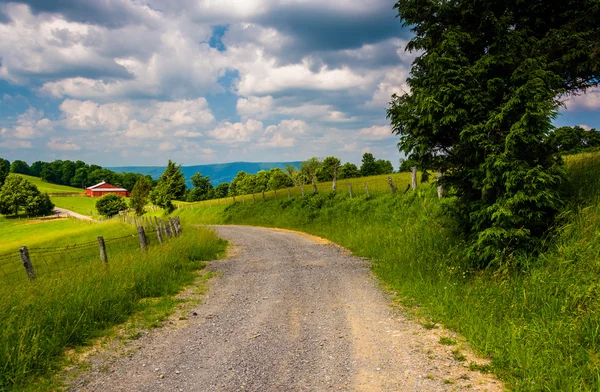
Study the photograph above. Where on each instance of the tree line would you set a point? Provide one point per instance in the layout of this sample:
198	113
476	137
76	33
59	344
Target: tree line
77	174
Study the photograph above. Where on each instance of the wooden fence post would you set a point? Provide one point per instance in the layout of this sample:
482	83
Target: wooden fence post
103	256
253	199
302	189
178	222
367	189
392	186
350	189
289	195
168	230
27	262
275	193
159	235
142	236
243	200
156	222
414	178
263	195
233	199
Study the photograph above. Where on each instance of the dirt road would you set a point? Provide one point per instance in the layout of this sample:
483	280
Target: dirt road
289	313
62	211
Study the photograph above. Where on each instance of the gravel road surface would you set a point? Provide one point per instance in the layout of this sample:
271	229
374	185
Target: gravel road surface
289	312
63	211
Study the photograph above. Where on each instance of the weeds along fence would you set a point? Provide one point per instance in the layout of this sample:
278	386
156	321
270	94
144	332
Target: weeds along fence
353	187
25	264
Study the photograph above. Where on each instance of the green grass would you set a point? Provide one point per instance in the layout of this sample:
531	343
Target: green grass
50	188
81	204
52	232
540	326
39	320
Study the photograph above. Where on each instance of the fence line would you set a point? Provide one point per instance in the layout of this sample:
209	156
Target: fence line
367	186
32	263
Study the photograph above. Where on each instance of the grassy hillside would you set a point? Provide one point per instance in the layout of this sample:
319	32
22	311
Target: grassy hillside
540	325
54	232
65	307
81	205
50	188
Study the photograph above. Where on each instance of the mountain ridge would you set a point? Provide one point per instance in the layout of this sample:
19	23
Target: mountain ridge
218	172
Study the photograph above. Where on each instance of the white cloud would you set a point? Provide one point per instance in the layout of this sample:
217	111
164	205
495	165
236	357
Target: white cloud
376	133
166	146
237	132
140	120
58	145
29	125
586	127
587	101
15	144
267	107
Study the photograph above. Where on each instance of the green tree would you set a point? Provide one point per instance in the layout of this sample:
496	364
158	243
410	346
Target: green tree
310	169
222	190
349	170
574	139
170	186
18	193
329	170
139	195
203	189
278	179
384	167
4	170
67	171
111	204
369	165
36	168
80	179
19	167
483	92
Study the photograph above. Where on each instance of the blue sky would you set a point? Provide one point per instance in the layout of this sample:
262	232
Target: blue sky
121	82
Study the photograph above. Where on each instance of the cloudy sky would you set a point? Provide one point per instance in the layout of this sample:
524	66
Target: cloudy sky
136	82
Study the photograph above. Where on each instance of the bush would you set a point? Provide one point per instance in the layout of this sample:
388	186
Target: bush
19	193
111	204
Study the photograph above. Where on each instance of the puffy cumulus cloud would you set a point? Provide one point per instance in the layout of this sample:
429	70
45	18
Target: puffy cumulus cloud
153	119
166	146
256	136
107	13
237	132
267	107
29	125
60	145
393	82
47	46
589	100
376	133
15	144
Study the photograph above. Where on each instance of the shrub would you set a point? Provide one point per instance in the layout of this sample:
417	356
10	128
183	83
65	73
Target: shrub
111	204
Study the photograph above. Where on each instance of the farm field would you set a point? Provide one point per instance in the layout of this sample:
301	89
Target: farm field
81	204
46	187
50	232
539	324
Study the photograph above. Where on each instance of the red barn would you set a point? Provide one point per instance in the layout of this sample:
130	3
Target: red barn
104	188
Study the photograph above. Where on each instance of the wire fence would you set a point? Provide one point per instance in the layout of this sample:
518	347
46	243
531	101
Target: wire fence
27	264
353	187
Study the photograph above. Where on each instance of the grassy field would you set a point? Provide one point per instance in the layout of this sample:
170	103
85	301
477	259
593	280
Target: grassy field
80	204
53	232
84	298
540	326
51	188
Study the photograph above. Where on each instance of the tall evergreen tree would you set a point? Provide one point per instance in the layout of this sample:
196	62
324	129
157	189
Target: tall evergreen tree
170	186
139	195
483	93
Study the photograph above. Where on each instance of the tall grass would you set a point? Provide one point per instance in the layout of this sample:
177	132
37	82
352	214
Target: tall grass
39	320
540	326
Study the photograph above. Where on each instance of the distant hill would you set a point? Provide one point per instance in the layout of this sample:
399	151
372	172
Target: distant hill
218	173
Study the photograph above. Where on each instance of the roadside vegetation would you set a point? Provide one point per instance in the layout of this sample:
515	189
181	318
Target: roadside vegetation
71	307
539	323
